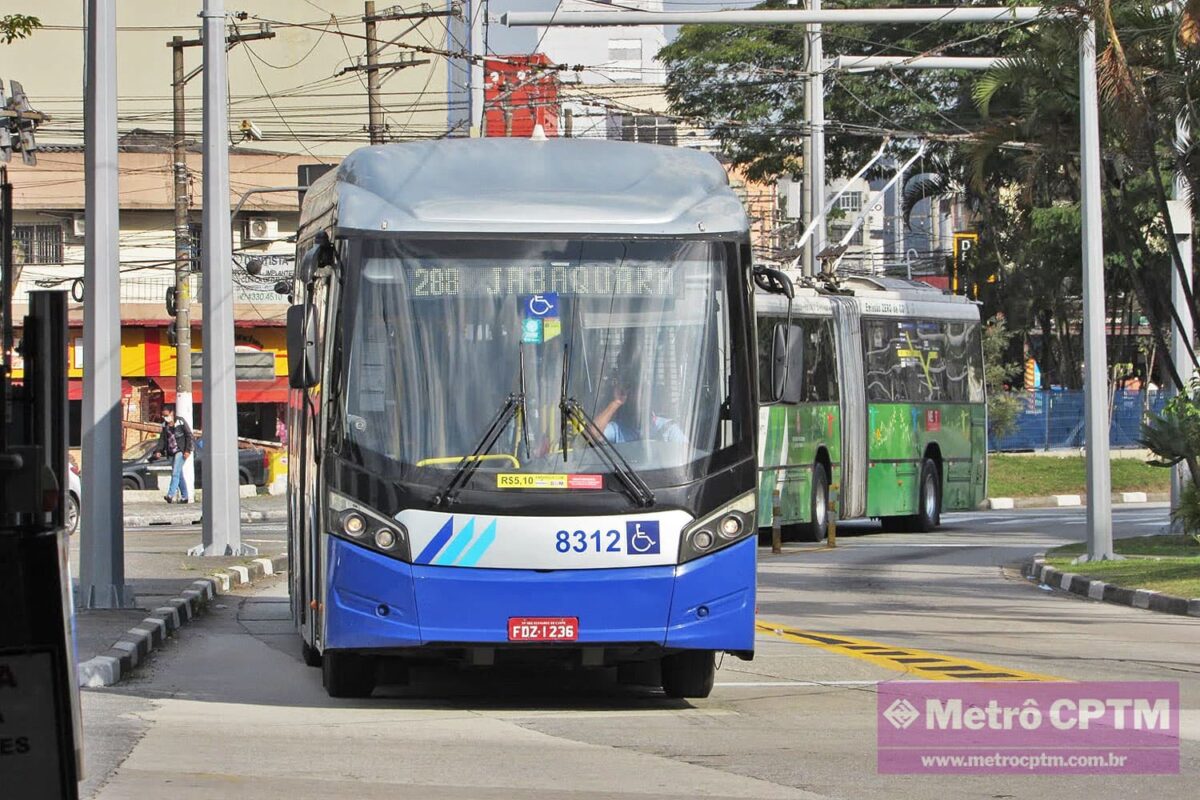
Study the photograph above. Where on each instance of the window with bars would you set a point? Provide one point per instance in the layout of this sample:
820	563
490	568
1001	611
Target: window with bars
850	201
38	244
648	129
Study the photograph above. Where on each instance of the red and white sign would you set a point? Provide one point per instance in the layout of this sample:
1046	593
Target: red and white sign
585	481
933	419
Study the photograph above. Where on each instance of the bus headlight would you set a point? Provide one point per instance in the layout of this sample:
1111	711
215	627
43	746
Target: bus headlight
351	520
353	523
731	526
726	525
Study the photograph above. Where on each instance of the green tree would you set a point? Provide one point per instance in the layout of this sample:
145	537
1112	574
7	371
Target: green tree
997	372
17	26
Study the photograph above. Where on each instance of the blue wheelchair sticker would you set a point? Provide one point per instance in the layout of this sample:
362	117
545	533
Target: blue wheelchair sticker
641	538
542	305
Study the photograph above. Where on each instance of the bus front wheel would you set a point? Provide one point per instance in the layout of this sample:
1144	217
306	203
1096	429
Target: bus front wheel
689	674
348	674
818	511
311	655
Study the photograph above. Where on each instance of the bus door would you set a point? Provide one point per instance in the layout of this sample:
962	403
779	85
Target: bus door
307	509
852	496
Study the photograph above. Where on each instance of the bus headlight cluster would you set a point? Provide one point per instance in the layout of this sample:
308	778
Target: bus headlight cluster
726	525
350	519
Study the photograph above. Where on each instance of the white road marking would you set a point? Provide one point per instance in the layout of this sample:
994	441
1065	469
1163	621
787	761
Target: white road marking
727	684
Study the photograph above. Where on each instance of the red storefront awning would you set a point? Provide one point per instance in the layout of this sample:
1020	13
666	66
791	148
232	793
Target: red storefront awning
272	391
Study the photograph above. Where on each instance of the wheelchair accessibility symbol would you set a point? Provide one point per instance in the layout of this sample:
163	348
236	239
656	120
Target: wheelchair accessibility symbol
542	305
641	538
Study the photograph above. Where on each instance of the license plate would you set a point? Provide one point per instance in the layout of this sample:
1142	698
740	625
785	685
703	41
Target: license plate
543	629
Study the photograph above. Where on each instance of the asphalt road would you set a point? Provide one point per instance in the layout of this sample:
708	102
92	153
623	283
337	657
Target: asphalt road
230	708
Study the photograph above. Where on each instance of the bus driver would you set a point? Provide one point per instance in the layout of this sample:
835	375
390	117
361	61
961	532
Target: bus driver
625	419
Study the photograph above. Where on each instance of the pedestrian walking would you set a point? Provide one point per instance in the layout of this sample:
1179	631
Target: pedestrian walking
175	442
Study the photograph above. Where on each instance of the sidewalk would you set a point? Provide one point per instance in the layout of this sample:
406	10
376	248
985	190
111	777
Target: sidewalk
161	573
142	511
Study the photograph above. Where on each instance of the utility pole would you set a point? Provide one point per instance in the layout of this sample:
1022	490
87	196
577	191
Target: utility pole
477	20
183	238
814	165
1095	340
376	129
222	533
183	260
1182	335
374	108
102	548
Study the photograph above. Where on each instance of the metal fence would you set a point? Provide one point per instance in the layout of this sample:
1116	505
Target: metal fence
1054	419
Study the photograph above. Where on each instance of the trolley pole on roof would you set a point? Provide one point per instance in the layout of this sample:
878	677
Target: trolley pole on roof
222	534
1099	484
102	546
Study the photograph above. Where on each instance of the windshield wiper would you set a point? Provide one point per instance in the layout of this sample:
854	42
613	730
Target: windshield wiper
635	485
466	468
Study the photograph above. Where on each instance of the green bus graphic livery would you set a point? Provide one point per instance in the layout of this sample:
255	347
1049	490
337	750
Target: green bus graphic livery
871	395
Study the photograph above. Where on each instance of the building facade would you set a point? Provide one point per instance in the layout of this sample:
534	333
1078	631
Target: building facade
49	254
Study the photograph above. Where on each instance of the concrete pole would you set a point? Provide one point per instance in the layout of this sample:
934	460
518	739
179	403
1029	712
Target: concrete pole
478	21
816	120
809	208
102	543
1180	209
222	515
1099	482
183	262
374	109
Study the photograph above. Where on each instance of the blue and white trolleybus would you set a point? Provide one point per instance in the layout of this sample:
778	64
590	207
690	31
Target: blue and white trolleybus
522	417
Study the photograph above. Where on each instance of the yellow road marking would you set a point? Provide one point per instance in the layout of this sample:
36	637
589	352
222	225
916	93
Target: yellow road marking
920	663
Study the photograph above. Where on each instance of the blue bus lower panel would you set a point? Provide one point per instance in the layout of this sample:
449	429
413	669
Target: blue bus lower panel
379	602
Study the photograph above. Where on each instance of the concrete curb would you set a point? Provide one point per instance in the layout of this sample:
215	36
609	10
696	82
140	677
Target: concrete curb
1072	500
150	634
147	520
1036	570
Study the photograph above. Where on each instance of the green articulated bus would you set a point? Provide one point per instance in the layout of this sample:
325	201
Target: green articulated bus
871	394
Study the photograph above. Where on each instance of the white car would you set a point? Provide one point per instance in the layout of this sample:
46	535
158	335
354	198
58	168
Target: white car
74	497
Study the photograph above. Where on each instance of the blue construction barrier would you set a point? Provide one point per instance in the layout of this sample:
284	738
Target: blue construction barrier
1053	419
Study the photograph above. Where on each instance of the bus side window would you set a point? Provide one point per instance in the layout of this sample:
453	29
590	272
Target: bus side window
820	380
884	384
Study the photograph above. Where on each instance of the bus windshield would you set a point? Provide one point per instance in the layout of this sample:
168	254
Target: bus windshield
441	336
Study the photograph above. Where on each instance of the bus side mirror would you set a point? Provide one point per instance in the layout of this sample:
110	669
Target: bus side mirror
301	347
321	254
787	364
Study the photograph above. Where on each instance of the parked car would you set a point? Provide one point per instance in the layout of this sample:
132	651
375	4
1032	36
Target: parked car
74	498
139	470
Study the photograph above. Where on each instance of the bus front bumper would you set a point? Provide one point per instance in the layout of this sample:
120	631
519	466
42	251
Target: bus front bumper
379	603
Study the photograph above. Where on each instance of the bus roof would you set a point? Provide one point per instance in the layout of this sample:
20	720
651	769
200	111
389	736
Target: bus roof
501	185
875	296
